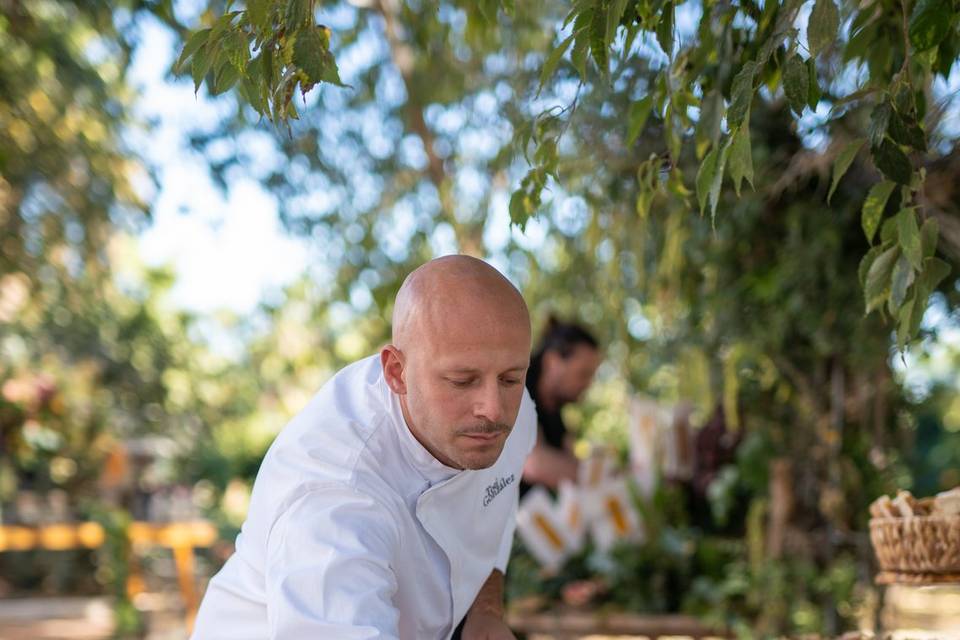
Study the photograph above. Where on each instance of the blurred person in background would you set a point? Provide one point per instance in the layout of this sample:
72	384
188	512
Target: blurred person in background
561	370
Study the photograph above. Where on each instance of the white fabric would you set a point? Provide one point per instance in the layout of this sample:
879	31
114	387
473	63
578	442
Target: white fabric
356	531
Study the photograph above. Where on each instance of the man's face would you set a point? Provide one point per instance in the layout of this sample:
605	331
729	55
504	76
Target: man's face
569	378
463	390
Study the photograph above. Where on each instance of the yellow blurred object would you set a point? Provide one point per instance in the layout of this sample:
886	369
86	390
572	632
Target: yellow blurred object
17	538
181	537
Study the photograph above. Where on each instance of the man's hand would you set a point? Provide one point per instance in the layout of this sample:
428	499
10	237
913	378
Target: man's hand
486	626
485	617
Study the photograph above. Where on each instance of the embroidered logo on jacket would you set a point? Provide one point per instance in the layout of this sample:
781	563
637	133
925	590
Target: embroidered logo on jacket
494	489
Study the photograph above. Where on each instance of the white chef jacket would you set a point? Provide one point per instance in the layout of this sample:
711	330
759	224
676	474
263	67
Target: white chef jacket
356	531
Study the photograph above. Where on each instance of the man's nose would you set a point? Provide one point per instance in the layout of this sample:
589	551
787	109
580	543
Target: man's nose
489	403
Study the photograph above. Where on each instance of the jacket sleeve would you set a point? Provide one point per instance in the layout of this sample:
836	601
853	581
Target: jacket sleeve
329	568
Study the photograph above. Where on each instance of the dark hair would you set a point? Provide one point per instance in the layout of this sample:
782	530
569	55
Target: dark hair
563	337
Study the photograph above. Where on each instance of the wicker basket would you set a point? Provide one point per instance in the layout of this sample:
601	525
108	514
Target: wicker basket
918	545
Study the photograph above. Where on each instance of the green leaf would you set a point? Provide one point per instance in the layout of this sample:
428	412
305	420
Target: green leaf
907	132
741	94
892	162
581	44
877	284
225	77
518	211
930	22
266	73
235	49
260	13
251	85
665	29
905	101
221	25
786	13
843	162
579	55
866	261
741	158
718	179
934	271
308	50
873	206
598	42
889	231
947	53
639	112
526	200
813	98
822	26
879	121
331	74
546	155
908	235
711	116
861	37
299	14
194	42
576	12
614	13
705	177
200	64
648	185
550	65
905	322
796	83
901	279
929	233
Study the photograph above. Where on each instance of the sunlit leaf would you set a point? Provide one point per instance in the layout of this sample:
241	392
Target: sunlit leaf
741	157
873	207
909	237
842	163
877	285
194	42
930	22
901	278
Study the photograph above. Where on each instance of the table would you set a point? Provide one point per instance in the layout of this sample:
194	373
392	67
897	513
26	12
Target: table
568	624
181	537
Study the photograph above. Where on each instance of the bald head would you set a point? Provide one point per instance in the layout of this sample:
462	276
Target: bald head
454	294
460	353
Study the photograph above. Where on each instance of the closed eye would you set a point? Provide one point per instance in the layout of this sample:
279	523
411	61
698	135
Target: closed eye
461	383
510	382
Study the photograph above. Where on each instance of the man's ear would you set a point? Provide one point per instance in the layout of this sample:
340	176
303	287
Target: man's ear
391	359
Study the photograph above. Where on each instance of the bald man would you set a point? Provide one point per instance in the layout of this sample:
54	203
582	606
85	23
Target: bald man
386	508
